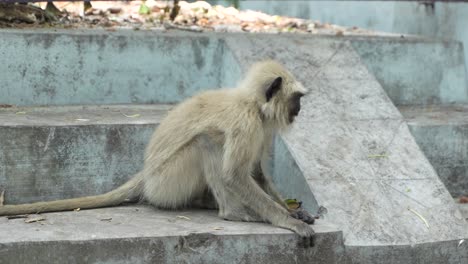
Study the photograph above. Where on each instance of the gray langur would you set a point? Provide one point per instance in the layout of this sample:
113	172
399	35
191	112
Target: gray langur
214	145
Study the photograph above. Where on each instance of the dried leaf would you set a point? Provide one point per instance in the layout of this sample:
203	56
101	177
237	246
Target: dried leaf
21	113
461	242
82	119
114	10
131	116
34	219
218	228
293	203
5	105
183	217
76	210
2	197
106	219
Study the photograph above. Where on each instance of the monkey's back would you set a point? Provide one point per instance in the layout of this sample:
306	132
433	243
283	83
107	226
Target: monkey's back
212	111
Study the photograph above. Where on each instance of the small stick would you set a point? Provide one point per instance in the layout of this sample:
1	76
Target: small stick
2	197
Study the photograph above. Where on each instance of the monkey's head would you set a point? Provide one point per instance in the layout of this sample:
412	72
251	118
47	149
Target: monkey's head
276	90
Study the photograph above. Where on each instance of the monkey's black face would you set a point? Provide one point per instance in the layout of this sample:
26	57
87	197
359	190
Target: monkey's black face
294	105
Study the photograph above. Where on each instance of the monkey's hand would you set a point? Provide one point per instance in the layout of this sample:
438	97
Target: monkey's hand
295	210
302	215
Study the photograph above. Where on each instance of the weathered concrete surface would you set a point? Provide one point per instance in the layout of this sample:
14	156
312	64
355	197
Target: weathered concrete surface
416	71
63	152
141	234
442	133
454	251
350	144
355	150
437	19
102	67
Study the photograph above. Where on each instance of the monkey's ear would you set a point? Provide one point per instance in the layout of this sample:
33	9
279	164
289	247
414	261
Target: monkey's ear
274	88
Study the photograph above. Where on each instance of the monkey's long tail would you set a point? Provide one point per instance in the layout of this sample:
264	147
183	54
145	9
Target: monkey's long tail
128	190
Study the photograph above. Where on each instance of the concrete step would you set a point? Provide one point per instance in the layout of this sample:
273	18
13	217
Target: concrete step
140	234
68	151
349	151
442	133
416	72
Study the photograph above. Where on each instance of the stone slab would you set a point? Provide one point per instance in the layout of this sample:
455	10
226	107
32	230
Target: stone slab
142	234
355	150
69	151
442	134
411	76
58	67
350	144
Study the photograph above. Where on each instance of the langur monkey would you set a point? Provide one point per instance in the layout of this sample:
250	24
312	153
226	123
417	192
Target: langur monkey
213	145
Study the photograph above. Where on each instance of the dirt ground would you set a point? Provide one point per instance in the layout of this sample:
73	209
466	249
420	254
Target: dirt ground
195	16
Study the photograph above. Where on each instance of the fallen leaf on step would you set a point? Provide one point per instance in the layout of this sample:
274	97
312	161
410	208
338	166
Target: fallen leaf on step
218	228
2	197
293	203
76	210
82	119
34	219
21	113
182	217
5	105
131	116
106	219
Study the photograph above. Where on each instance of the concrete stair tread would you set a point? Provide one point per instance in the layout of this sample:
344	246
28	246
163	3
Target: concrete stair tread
83	115
142	234
435	114
133	221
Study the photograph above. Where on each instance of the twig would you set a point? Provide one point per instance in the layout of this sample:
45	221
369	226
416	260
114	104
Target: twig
16	216
168	25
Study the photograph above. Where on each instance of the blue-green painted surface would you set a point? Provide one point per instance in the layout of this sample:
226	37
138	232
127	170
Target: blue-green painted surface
442	20
418	73
110	68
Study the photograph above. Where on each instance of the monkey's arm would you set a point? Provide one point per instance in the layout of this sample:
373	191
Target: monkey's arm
262	175
265	181
238	159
